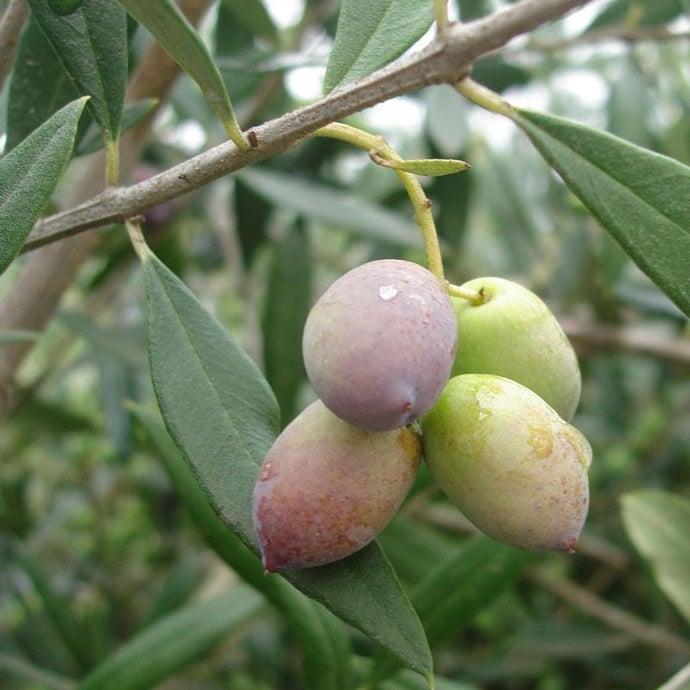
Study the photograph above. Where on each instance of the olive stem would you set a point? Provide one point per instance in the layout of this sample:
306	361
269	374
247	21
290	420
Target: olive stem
379	149
474	297
136	236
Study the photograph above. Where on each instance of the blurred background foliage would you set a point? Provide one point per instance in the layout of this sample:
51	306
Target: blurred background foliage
95	545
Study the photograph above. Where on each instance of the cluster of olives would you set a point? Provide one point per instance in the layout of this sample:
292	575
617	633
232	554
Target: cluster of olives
493	382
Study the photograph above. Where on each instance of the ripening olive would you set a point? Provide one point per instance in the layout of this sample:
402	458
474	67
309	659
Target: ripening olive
379	344
515	469
512	333
326	488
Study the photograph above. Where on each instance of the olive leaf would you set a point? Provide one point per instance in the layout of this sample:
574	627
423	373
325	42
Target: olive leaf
29	174
640	197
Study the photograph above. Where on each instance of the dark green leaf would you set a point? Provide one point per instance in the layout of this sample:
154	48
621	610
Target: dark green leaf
164	19
323	639
64	6
91	43
288	298
58	609
29	175
39	85
466	582
333	207
372	33
657	523
641	198
173	642
253	17
224	417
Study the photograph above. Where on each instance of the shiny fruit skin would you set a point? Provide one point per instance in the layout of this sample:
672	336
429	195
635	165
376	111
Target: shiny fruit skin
326	488
513	333
379	344
515	469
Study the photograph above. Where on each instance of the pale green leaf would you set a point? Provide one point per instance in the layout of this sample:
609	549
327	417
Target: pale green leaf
170	644
372	33
332	207
641	198
430	167
657	524
29	175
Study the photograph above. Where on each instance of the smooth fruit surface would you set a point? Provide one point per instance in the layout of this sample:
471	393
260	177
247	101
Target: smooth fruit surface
326	488
513	333
380	342
515	469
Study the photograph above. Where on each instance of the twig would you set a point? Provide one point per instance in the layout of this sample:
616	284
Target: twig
613	33
617	618
446	59
11	24
674	349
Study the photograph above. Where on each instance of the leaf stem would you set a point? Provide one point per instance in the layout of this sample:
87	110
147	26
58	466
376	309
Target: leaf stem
378	147
136	236
484	97
441	14
112	161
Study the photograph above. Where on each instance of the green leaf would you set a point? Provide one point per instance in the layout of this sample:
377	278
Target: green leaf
657	524
253	17
64	6
288	298
372	33
69	628
333	207
39	85
641	198
224	417
29	175
173	642
91	43
323	639
431	167
180	40
466	582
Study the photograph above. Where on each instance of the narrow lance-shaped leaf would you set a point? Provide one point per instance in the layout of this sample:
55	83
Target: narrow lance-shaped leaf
332	206
657	523
641	198
459	588
165	647
286	307
181	41
323	639
224	417
91	43
372	33
39	85
29	175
